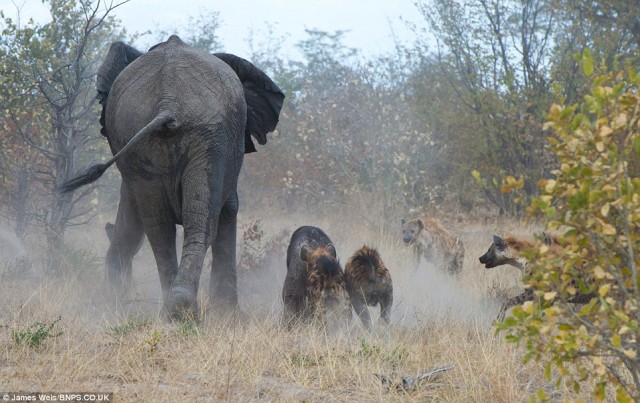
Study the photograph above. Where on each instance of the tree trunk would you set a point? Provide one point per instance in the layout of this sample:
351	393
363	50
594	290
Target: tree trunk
61	204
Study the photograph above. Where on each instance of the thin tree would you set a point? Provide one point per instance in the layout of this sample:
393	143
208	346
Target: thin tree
494	57
48	91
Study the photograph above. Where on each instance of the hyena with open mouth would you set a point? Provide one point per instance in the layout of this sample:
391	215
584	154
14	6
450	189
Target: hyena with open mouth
508	251
435	243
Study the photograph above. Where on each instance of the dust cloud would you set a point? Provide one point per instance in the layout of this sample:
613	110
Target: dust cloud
422	294
11	246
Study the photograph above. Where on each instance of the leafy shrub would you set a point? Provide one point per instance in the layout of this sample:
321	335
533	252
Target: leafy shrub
256	246
153	341
36	334
593	200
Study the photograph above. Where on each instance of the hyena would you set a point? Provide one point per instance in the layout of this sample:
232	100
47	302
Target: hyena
431	240
369	283
314	285
508	251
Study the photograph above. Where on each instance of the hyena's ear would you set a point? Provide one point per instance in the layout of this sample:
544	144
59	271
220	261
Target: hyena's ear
304	253
403	221
499	242
331	249
420	224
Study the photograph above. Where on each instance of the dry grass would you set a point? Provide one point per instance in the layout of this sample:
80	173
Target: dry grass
128	349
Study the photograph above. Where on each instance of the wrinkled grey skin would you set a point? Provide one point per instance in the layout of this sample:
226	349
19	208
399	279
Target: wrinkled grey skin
294	291
179	121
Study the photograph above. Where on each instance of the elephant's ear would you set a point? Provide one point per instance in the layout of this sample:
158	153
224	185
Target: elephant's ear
264	99
120	55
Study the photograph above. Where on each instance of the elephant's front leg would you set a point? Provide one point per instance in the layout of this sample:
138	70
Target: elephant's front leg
125	240
223	286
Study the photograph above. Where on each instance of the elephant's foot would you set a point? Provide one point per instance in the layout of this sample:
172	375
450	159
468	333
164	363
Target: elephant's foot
181	304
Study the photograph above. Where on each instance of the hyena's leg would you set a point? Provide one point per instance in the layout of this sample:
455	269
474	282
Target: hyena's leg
456	259
580	298
418	255
452	266
360	306
455	265
527	295
460	254
386	301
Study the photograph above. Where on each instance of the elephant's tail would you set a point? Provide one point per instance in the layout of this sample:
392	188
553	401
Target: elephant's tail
92	173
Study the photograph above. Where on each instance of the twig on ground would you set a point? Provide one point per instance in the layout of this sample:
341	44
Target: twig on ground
410	382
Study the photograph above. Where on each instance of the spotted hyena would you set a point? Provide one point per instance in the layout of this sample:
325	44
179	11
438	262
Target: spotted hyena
369	283
314	285
508	251
431	240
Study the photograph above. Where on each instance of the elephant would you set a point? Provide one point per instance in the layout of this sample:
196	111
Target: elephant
178	121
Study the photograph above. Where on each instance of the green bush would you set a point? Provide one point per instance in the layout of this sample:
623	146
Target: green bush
36	334
593	203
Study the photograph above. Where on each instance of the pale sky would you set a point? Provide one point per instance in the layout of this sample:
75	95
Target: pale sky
373	25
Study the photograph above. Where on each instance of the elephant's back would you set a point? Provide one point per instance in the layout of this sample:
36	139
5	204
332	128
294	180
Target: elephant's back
296	278
310	236
173	77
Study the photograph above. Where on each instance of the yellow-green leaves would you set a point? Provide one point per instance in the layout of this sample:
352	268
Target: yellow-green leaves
510	183
587	62
608	229
592	201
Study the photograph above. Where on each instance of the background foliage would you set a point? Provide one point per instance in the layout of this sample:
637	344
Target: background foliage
398	134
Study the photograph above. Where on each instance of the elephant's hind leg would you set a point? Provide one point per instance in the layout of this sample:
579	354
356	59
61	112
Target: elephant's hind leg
201	207
125	238
223	286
